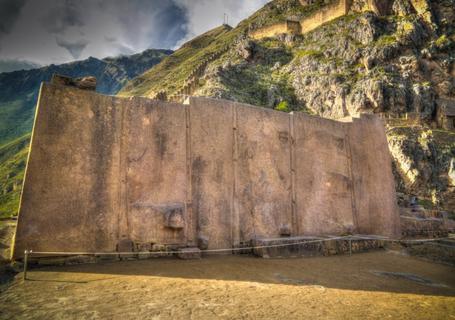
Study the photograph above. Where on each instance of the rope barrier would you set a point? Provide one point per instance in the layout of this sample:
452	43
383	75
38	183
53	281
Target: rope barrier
191	251
240	248
350	238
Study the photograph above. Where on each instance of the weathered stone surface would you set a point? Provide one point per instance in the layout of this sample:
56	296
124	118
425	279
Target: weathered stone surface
140	171
323	183
125	245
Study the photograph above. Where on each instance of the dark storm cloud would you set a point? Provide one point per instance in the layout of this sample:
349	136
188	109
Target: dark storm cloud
66	14
57	31
9	11
74	47
166	21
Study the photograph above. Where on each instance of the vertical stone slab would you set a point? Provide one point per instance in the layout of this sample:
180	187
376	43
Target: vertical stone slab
322	178
156	171
374	185
212	167
69	197
264	180
103	169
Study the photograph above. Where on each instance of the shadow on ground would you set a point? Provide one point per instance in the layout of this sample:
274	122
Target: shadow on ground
383	271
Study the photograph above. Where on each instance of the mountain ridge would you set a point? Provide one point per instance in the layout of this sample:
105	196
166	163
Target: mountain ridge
19	89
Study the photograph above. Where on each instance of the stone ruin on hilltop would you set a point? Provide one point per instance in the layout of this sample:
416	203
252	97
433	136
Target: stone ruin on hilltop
330	11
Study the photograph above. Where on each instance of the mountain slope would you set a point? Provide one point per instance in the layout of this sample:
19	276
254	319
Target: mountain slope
19	89
398	65
13	158
174	71
170	74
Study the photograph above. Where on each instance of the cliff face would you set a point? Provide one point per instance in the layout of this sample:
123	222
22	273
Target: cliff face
396	60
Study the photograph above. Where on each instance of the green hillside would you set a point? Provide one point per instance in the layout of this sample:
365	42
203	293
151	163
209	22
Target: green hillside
13	158
172	71
19	89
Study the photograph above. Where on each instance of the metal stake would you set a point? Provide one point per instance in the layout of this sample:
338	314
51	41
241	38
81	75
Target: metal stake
26	252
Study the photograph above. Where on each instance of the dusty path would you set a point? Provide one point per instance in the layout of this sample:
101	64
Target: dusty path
376	285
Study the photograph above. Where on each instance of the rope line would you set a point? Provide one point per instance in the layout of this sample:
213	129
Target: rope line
351	238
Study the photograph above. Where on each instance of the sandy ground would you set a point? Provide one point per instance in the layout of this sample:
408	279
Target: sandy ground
376	285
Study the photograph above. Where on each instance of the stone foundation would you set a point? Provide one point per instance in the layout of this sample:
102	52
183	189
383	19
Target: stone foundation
314	246
413	227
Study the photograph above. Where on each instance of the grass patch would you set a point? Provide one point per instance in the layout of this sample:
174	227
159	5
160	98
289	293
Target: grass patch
13	158
386	40
283	106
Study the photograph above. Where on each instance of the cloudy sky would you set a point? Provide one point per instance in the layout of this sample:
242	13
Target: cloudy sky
56	31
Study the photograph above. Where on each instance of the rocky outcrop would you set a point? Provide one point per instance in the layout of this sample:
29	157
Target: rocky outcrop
83	83
424	164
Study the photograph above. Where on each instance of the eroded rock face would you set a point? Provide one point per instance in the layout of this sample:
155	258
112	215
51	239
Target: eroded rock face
380	7
383	80
424	161
247	49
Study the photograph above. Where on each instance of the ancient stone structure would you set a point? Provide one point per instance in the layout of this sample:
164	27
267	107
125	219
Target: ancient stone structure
287	27
331	11
108	173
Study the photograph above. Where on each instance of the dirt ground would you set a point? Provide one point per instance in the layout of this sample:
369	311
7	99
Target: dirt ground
376	285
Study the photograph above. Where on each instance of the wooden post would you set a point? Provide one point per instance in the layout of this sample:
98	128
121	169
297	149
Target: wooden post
25	263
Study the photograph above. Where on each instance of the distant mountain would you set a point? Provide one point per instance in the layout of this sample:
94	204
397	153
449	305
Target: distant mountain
9	65
19	89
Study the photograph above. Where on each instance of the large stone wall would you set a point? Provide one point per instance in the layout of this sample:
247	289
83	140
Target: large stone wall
105	171
275	29
326	14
